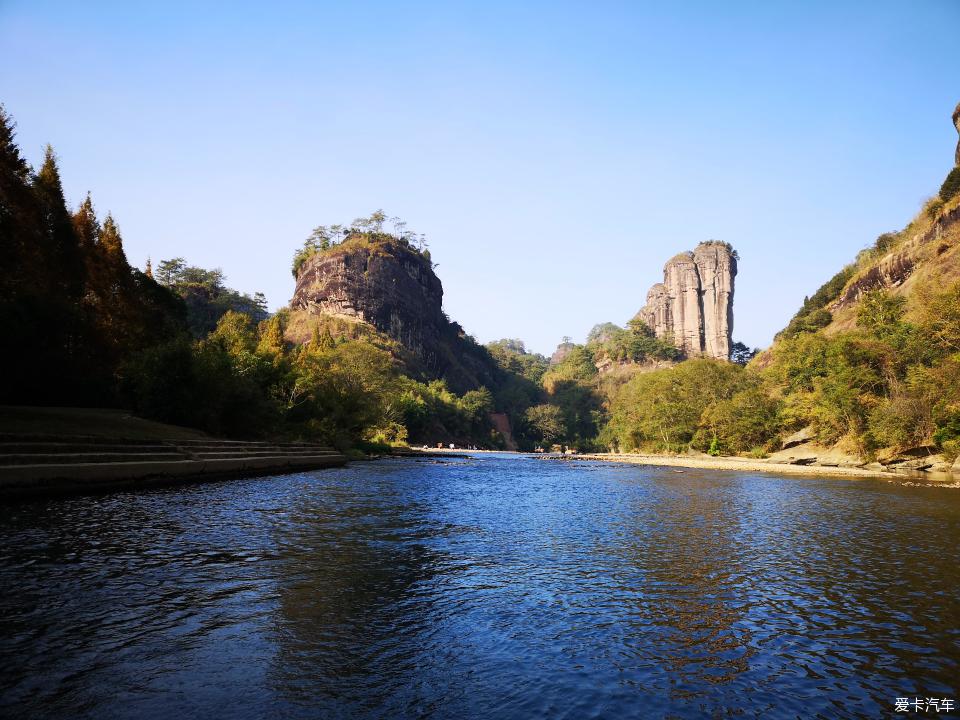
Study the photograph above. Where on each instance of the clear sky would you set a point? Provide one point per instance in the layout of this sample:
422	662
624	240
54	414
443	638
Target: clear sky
555	154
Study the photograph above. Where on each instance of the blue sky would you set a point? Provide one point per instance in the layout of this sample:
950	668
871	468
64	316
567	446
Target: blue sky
555	154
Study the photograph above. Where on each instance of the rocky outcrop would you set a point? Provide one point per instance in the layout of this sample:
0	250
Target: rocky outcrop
386	284
563	349
501	423
608	366
893	269
693	306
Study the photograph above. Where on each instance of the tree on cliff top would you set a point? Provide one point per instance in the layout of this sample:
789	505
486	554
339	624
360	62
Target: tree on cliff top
362	229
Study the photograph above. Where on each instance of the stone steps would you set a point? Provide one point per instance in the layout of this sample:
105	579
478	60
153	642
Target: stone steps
46	446
226	454
34	438
46	464
85	457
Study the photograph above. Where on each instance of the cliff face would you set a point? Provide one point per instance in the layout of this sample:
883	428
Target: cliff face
924	254
385	284
693	306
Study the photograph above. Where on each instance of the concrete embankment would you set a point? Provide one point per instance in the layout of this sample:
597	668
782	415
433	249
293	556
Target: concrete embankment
39	464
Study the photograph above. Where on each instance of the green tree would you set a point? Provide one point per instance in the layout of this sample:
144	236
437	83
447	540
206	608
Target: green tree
170	272
547	422
661	410
602	332
377	218
939	316
880	312
951	185
740	354
747	420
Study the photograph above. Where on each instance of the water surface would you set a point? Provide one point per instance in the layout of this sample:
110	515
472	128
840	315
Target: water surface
494	586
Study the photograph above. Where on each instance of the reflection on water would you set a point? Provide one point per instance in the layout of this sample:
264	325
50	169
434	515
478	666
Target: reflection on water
487	587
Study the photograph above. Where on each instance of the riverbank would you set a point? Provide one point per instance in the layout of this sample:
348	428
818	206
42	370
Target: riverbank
739	464
55	451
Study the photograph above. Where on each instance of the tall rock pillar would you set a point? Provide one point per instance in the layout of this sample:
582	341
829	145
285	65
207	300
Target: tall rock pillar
693	307
717	268
683	289
656	313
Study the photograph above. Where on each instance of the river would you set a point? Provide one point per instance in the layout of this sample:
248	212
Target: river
493	586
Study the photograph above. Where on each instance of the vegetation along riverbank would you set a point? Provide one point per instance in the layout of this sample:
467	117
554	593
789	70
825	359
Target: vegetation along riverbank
741	464
866	374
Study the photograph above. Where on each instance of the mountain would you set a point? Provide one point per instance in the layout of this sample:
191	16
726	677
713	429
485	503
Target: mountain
869	366
383	281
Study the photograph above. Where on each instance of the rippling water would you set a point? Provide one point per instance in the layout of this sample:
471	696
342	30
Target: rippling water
484	587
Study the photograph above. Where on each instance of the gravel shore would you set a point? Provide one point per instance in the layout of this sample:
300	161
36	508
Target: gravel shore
752	465
737	464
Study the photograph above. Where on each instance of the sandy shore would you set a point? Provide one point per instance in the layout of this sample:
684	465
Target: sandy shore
737	464
750	465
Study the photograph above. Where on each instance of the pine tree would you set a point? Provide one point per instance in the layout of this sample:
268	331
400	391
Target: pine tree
86	224
20	255
25	311
111	244
271	337
13	168
63	258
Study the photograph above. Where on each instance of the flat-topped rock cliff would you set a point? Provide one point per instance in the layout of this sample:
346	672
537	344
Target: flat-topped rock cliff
693	306
380	281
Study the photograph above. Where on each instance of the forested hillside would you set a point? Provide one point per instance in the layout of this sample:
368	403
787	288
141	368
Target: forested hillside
868	368
178	345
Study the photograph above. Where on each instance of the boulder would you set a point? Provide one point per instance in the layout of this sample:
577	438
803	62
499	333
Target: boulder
916	455
810	453
798	438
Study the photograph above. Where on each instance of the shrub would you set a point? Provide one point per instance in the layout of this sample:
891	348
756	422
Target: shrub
947	436
714	447
813	314
902	421
885	242
951	186
747	420
880	312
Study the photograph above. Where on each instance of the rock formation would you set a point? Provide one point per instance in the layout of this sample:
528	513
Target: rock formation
693	306
563	349
385	284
